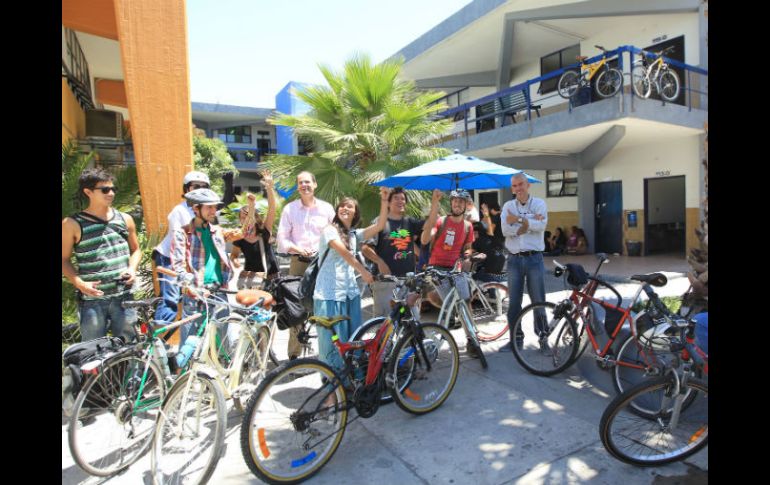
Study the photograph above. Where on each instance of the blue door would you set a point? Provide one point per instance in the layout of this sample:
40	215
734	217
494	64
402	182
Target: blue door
608	197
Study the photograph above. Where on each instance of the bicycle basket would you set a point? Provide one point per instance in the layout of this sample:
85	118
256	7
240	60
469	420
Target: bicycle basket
611	319
462	285
576	275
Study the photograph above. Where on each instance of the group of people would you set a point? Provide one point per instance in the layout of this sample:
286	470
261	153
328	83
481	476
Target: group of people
559	243
106	249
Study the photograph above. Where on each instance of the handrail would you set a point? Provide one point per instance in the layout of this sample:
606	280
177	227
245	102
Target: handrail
77	68
525	86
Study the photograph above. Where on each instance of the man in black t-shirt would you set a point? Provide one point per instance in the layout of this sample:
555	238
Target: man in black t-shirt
392	249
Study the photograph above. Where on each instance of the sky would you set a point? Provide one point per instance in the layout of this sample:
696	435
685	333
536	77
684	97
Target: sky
243	52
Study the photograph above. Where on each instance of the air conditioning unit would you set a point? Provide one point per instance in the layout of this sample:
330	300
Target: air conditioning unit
104	124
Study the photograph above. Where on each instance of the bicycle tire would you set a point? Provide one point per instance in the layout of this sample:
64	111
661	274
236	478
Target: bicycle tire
108	399
420	397
623	377
608	83
568	84
653	442
471	332
639	81
270	438
586	318
535	352
494	327
668	85
205	394
249	355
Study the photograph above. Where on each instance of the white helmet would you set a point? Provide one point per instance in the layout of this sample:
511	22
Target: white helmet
196	177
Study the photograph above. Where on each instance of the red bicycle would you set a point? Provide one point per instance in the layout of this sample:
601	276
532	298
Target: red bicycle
297	416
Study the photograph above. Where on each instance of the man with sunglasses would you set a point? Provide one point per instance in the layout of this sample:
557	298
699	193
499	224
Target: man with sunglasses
107	254
161	255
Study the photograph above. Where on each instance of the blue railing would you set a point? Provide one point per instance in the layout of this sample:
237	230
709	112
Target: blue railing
498	99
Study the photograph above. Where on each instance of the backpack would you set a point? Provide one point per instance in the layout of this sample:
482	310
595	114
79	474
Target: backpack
307	283
425	252
288	307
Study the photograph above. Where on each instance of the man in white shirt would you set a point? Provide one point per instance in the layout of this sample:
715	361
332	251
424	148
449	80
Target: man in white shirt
523	222
299	234
180	215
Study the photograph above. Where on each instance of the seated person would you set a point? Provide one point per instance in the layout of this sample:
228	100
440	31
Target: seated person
492	268
577	242
558	242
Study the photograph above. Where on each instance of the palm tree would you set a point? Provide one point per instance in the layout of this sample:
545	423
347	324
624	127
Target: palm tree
365	125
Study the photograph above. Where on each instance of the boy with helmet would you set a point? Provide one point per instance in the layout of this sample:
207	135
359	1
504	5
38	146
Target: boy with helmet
161	255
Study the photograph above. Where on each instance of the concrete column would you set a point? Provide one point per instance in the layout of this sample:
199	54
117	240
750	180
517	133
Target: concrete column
153	51
586	209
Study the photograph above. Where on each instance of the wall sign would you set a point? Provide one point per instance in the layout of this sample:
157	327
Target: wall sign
663	173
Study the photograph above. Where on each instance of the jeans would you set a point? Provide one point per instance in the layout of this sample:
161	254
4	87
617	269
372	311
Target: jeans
189	307
167	308
487	277
327	352
95	313
521	267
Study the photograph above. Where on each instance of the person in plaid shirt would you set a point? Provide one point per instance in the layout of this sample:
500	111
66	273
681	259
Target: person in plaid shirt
198	248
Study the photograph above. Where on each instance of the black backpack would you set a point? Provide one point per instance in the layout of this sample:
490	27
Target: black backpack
288	307
77	355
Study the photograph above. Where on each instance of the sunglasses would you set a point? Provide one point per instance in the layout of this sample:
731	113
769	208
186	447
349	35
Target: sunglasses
106	190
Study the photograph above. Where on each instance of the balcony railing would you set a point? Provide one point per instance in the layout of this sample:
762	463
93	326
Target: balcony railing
75	69
239	154
491	111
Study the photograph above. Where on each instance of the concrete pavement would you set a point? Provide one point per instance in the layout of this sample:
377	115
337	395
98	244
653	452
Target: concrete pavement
499	426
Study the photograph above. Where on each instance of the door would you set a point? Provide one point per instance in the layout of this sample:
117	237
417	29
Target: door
664	209
608	197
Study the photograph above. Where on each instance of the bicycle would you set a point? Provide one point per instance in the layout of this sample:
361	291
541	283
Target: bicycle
547	338
189	433
113	418
608	80
298	415
678	424
646	75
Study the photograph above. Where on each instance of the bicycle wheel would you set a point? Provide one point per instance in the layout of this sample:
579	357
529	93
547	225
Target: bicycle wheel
290	430
624	377
111	424
190	432
608	82
253	356
490	311
471	332
668	85
640	81
661	440
568	84
428	388
544	343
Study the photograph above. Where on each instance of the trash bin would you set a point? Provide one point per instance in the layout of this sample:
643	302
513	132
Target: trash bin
634	248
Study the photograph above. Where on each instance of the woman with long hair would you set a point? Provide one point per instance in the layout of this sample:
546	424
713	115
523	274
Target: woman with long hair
255	244
336	290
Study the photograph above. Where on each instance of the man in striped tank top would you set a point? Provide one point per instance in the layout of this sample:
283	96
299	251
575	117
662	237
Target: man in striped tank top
107	254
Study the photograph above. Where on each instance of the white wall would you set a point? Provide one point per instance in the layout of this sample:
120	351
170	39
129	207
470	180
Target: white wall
633	165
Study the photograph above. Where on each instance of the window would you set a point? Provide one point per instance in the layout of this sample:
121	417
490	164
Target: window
561	183
236	134
555	61
304	145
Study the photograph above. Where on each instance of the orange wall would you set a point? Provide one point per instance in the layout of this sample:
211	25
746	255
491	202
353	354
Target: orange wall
157	86
73	118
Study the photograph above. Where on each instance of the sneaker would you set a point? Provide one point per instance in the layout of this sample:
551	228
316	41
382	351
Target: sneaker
293	357
470	348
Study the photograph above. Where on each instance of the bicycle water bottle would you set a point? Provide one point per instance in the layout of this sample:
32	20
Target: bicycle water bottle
162	356
187	350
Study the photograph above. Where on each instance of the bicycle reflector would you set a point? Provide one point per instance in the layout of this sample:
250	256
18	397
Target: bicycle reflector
143	328
91	368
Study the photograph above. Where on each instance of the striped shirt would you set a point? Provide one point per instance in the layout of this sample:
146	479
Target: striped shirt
102	253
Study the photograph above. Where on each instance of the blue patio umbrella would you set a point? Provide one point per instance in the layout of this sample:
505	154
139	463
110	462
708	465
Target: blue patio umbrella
453	171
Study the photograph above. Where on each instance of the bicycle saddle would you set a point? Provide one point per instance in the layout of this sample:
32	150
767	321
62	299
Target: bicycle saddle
327	322
655	279
249	297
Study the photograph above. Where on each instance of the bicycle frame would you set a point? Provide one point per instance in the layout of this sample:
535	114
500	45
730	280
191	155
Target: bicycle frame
588	71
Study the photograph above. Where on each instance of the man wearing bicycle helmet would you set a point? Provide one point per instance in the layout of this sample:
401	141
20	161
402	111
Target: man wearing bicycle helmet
161	254
198	248
523	222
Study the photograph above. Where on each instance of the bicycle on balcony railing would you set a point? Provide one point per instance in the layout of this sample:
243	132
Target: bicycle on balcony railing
608	79
646	75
